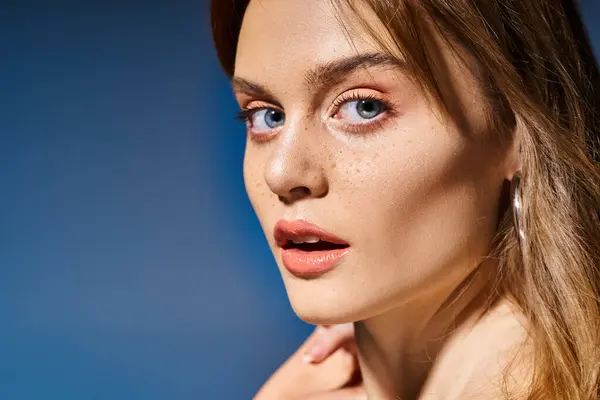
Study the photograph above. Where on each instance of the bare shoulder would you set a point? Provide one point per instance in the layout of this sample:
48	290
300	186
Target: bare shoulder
504	366
490	360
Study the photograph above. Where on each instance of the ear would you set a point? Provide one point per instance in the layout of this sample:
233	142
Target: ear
514	159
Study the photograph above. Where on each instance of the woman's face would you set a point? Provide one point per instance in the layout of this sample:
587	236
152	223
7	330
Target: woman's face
340	137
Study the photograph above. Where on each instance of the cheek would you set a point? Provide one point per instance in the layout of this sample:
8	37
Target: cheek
262	199
400	171
429	201
254	180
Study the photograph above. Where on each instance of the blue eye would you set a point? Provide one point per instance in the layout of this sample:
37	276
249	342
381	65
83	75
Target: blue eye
266	119
368	109
358	110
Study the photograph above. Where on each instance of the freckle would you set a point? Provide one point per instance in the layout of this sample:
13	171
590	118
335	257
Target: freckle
333	165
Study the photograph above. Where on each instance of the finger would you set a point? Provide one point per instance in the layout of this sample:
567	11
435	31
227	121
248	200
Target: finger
302	379
327	340
314	336
352	393
335	372
312	339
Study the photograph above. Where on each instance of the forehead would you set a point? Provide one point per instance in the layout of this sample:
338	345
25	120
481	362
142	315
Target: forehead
285	35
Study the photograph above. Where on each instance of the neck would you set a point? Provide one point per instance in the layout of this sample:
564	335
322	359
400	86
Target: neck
400	350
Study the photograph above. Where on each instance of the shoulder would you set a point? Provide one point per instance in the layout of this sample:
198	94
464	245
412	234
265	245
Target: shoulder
505	365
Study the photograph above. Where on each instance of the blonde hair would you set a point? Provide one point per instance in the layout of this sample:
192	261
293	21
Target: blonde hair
542	78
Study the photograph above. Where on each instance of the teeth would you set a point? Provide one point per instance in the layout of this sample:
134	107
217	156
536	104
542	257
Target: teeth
308	239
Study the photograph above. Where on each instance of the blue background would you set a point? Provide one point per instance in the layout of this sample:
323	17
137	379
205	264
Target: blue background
131	263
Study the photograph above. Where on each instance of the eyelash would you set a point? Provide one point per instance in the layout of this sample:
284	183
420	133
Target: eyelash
354	96
365	127
247	113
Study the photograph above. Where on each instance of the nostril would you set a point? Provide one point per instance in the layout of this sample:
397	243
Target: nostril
296	194
300	191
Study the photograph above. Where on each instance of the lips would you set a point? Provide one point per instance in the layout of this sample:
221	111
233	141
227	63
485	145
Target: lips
306	249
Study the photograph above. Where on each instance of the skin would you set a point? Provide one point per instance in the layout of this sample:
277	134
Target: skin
414	191
323	368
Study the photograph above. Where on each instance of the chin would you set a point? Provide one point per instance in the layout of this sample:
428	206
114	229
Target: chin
325	305
323	316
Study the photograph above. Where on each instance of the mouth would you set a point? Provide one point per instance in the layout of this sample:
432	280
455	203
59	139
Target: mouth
307	250
312	244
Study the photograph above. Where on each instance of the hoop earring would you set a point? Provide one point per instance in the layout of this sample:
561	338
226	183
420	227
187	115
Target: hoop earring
516	201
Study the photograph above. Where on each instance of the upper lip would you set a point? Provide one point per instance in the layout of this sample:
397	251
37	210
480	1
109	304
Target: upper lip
287	231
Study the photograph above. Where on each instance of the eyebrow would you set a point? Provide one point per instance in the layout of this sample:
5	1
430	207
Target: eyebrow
252	89
322	76
333	72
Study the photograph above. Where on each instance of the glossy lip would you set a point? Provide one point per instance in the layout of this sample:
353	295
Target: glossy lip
307	263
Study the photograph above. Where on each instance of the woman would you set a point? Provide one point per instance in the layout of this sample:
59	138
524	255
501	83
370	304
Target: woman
428	171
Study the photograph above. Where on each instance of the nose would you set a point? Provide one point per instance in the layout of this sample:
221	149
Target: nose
295	169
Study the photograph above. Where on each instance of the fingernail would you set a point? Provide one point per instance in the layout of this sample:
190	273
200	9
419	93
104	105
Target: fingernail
307	359
316	352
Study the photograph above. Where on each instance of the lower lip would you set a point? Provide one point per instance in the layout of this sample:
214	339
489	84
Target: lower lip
311	263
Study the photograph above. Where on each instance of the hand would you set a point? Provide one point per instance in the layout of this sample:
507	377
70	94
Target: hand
323	368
